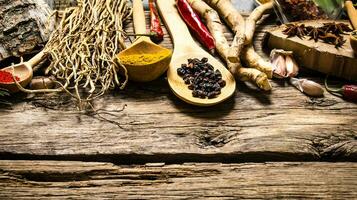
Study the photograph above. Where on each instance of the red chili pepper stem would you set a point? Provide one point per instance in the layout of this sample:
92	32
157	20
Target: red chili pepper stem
330	90
348	92
155	24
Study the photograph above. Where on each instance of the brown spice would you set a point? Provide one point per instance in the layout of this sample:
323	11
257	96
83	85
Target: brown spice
301	10
330	33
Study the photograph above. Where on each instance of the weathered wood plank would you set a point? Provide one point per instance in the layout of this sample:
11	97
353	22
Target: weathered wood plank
79	180
283	126
155	125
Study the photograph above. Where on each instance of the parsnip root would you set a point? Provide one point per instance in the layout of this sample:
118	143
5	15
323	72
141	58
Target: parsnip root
236	21
254	60
251	21
216	28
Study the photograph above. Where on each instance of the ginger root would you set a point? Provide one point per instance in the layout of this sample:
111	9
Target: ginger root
216	28
254	60
236	21
252	20
248	55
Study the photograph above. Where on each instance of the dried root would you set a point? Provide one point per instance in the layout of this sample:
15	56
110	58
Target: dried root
234	19
252	20
83	47
254	60
216	28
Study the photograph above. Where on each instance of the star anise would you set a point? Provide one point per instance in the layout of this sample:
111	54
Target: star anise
336	28
292	30
329	33
314	32
334	39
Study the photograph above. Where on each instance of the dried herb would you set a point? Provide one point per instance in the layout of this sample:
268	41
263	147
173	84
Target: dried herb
336	28
330	33
314	33
334	39
295	30
301	10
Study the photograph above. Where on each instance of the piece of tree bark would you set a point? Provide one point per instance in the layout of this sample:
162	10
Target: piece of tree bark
22	26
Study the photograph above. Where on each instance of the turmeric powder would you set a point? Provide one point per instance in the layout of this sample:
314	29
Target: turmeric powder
144	58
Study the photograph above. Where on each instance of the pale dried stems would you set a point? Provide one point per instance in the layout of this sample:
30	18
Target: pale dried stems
84	45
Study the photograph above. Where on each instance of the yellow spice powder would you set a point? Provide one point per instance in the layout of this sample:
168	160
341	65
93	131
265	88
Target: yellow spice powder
144	58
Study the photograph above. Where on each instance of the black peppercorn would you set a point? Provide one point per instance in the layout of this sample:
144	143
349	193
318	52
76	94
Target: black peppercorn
201	78
222	83
211	95
204	60
181	72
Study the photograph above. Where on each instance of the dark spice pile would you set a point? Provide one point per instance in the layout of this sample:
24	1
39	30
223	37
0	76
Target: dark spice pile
200	77
331	33
301	10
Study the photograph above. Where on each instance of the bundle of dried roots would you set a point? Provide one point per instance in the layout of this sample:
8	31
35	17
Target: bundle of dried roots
84	45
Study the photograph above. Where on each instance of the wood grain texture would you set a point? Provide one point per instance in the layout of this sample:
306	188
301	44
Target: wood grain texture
22	26
78	180
158	127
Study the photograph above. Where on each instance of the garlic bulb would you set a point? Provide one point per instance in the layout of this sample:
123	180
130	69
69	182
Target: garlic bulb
279	66
283	63
291	67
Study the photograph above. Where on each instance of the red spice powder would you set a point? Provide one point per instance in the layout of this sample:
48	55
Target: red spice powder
6	77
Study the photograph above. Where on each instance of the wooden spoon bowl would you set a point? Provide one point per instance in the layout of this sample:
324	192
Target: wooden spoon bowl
180	89
146	72
141	46
184	48
22	70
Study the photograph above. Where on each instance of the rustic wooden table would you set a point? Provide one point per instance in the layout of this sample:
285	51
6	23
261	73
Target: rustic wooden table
144	143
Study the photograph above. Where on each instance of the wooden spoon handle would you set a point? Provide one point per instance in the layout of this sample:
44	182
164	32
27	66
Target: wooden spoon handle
37	58
139	18
177	27
352	13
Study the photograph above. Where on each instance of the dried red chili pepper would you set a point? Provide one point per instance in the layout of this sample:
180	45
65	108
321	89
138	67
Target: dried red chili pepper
195	24
6	77
157	34
348	92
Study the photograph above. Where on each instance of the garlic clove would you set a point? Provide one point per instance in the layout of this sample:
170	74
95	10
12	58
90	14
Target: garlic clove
313	89
291	67
279	65
308	87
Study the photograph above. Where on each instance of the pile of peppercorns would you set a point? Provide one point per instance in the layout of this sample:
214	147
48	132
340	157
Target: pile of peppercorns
200	77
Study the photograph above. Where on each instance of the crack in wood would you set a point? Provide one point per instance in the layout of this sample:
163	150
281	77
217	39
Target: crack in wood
208	138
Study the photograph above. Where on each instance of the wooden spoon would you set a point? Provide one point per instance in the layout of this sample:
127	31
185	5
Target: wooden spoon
143	45
24	71
184	48
352	13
